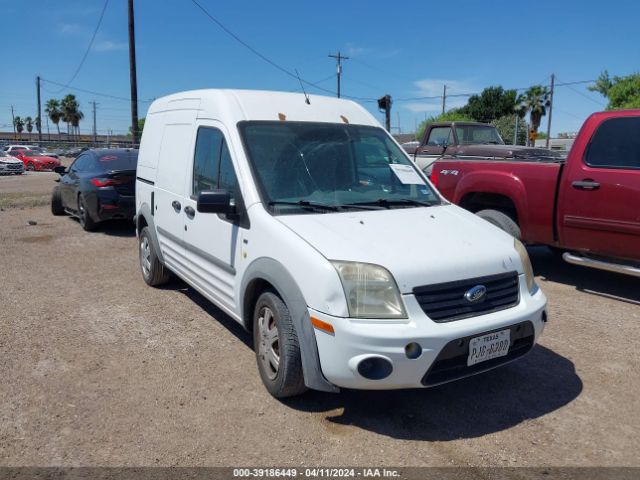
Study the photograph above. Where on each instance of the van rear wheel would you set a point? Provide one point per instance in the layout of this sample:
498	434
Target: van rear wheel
276	346
502	221
153	272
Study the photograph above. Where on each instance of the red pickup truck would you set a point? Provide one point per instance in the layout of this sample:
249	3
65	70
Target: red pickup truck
587	204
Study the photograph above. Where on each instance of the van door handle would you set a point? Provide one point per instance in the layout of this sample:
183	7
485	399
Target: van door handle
190	212
176	205
585	185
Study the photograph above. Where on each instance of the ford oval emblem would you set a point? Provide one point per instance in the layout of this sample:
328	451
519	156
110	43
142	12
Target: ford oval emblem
476	294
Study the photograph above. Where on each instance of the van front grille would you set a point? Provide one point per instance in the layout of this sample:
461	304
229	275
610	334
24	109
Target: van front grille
446	302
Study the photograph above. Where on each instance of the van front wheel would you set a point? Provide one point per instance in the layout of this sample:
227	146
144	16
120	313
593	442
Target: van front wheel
276	346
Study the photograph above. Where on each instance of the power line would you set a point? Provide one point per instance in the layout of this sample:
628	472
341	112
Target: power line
568	85
264	57
86	53
106	95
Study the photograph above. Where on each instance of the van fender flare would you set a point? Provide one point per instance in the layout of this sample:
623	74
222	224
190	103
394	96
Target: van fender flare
277	275
145	212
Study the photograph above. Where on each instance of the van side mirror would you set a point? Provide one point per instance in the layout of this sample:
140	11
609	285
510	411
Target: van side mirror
215	201
60	170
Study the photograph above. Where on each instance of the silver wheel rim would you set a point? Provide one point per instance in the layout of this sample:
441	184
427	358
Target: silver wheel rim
145	256
269	344
81	210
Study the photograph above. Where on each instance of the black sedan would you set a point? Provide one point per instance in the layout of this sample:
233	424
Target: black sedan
99	185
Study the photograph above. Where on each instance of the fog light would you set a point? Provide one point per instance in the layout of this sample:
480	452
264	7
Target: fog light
413	350
375	368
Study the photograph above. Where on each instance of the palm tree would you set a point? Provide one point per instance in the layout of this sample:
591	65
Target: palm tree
53	110
28	121
71	113
19	124
535	101
75	121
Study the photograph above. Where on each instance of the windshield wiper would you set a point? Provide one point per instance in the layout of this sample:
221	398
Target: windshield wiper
388	203
307	204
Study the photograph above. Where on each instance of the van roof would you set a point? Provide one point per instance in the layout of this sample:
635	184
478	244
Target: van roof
237	105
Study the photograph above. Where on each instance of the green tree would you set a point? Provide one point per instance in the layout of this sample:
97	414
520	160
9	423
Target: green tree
19	124
52	109
535	101
491	104
453	115
28	121
71	113
506	126
622	92
140	128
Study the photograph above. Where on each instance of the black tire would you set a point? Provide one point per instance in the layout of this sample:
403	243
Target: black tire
153	272
287	380
86	222
31	167
56	202
502	221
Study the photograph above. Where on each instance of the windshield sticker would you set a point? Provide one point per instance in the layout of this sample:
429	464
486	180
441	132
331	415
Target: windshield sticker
406	174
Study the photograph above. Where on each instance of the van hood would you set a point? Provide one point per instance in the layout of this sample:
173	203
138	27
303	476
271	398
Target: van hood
419	246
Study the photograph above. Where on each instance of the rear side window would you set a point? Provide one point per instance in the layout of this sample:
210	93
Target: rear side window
123	160
212	165
615	144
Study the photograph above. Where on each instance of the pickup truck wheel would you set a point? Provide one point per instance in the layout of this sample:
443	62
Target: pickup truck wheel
276	346
502	221
153	272
56	202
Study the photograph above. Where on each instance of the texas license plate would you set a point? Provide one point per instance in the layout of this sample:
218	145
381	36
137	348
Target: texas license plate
488	346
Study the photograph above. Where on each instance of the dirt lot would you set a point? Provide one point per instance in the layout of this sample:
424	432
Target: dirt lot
99	369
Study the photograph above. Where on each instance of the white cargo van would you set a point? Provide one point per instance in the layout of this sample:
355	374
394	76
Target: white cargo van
308	224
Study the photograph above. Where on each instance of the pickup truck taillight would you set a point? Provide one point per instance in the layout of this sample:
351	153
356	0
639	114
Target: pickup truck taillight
434	177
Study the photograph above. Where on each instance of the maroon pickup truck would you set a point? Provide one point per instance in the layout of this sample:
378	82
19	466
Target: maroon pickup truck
587	205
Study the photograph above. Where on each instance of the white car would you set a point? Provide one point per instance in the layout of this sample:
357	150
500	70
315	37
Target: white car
10	165
309	225
35	148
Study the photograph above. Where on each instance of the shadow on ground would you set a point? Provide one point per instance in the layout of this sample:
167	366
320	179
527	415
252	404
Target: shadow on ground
553	268
531	387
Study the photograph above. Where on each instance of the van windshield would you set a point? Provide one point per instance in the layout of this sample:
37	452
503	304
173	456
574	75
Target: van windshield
307	167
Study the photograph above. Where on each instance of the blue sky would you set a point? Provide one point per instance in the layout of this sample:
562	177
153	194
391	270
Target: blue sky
407	49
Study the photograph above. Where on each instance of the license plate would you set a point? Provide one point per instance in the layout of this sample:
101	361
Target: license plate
488	346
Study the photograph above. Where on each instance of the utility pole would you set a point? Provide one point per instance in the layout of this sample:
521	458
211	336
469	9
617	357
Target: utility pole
95	131
132	75
48	133
515	133
339	59
553	78
444	98
39	123
13	122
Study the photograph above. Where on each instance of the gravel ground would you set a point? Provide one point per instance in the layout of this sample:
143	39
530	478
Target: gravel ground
100	370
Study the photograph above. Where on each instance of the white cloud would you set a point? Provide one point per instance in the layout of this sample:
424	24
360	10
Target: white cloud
109	46
433	87
354	50
70	29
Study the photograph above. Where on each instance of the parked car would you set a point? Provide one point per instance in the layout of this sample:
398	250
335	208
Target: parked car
311	227
35	148
587	206
99	185
10	165
471	140
410	147
34	160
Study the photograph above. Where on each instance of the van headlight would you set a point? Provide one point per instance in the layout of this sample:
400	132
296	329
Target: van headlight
370	290
526	265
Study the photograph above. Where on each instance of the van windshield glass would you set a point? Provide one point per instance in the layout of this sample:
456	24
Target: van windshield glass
305	167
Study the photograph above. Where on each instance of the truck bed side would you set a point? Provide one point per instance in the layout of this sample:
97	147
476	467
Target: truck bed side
526	191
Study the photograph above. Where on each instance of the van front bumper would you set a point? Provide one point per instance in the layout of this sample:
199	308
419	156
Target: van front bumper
418	352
